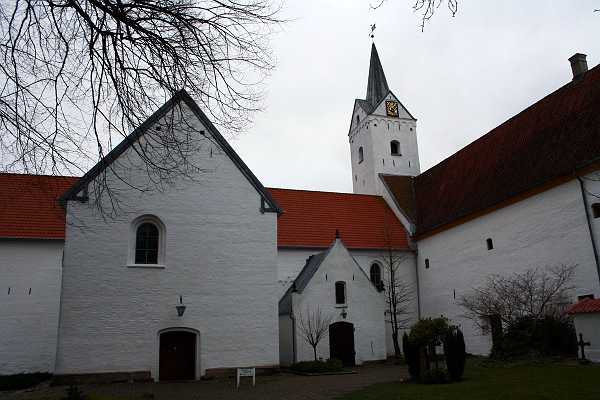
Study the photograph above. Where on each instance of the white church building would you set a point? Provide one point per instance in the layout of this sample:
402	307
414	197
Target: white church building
214	272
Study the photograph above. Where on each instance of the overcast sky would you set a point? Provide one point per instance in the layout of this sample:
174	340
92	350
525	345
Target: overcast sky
460	78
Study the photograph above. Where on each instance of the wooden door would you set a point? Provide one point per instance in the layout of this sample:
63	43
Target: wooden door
177	358
341	342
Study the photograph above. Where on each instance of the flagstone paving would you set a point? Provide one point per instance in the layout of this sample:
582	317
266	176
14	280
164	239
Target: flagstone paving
281	386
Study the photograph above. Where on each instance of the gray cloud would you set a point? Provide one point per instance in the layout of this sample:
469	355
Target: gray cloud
460	78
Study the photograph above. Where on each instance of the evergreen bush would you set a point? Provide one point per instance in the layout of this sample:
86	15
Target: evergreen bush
74	393
312	367
419	347
435	375
412	357
455	352
548	337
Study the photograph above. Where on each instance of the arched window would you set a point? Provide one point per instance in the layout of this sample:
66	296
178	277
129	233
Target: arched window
596	210
146	244
360	154
340	292
375	274
395	148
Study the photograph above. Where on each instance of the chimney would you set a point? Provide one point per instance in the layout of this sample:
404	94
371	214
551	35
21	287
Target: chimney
578	65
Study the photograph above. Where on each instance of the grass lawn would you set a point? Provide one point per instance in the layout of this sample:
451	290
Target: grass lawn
509	382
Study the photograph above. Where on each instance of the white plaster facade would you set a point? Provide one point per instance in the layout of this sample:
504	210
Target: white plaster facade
30	272
220	256
547	229
588	325
373	133
291	260
364	306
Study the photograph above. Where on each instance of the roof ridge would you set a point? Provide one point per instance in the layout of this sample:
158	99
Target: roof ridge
324	191
39	175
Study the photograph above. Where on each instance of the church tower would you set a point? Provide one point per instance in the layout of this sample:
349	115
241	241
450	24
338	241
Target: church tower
383	135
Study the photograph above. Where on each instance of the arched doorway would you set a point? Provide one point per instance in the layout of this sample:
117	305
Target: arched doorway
341	342
177	355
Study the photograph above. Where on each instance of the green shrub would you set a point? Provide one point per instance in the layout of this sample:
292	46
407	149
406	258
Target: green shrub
411	355
435	375
455	352
331	365
22	381
429	331
74	393
547	338
424	365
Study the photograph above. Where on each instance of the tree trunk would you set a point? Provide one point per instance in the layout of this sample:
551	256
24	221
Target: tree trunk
315	352
397	351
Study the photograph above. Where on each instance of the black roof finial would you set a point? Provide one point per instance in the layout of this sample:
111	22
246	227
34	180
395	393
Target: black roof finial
337	233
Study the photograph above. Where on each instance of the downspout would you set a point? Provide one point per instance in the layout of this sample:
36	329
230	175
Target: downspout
418	285
589	223
293	328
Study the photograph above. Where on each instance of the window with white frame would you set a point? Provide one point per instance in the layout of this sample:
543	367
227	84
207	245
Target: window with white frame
147	243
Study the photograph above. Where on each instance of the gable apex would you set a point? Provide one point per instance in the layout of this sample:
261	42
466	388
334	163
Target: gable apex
129	140
395	98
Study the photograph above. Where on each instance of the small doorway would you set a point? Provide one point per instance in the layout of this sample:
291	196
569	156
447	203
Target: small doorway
341	342
177	356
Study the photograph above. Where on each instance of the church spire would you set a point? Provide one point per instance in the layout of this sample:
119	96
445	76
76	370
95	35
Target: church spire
377	86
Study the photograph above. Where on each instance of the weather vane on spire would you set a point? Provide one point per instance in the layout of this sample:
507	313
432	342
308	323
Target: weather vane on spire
372	30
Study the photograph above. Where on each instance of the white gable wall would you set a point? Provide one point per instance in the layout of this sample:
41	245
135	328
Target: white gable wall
30	272
588	325
544	230
291	261
364	307
220	256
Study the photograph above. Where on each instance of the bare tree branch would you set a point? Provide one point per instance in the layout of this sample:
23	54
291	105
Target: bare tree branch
426	8
313	325
77	76
534	294
399	294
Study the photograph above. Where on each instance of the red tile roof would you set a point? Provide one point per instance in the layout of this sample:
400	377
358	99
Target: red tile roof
29	206
585	306
550	139
310	219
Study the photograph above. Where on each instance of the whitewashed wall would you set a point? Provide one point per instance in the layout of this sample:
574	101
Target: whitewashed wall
589	327
544	230
591	188
365	307
374	133
220	256
291	261
31	271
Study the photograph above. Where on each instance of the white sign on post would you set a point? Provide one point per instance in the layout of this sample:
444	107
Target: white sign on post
249	372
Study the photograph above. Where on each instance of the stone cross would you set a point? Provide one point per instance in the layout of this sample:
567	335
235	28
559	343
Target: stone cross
582	345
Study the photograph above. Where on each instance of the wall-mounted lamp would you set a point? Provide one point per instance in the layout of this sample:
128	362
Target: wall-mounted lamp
180	307
344	313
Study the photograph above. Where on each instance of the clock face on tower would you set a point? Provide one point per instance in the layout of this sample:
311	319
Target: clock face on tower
391	107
